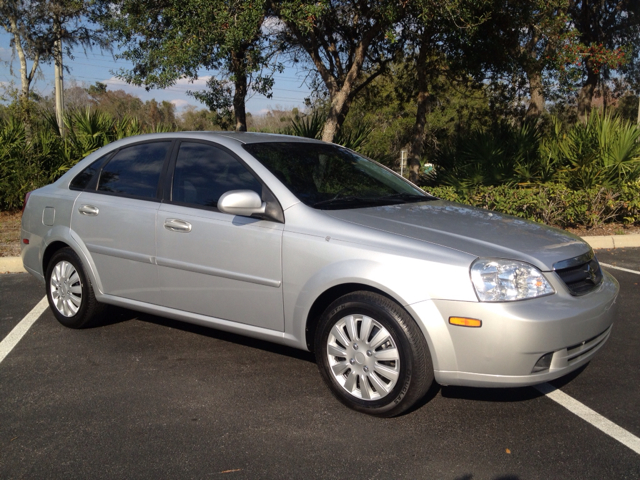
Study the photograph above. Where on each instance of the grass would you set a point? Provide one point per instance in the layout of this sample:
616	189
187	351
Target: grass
10	234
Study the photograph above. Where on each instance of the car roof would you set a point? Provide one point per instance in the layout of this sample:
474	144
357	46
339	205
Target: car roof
240	137
255	137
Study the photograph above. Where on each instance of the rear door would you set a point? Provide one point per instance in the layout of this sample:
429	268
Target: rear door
116	216
213	263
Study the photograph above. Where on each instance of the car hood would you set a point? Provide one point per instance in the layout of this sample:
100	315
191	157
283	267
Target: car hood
471	230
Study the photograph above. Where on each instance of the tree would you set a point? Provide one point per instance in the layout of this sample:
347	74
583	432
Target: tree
349	43
523	42
23	22
609	34
44	31
433	30
175	39
67	26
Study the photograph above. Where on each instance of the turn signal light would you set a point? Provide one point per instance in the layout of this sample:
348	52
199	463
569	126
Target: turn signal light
465	322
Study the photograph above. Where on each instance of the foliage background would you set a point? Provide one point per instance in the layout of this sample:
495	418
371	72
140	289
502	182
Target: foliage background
526	106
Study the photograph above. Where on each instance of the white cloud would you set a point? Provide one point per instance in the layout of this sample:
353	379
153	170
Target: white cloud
182	84
200	82
179	103
115	81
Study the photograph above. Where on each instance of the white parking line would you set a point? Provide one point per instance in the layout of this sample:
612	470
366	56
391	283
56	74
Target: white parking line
22	328
607	426
620	268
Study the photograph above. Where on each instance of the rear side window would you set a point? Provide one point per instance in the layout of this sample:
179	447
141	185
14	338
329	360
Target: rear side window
204	172
83	179
135	171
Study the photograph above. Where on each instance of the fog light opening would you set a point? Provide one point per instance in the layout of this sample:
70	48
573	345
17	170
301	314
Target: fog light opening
465	322
543	364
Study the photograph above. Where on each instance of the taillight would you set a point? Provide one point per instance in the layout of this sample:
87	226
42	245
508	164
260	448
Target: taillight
26	199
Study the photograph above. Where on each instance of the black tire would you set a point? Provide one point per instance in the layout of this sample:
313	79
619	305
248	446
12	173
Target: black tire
394	380
70	293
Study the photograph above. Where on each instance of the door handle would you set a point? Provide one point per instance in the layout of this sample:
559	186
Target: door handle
176	225
89	210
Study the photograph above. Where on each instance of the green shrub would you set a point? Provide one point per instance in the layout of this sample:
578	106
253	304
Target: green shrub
554	204
496	155
604	152
30	160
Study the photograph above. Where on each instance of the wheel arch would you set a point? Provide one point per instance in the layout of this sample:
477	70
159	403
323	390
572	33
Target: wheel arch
58	239
327	297
50	251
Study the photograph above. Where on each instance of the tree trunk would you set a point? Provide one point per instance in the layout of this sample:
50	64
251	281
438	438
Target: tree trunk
25	77
586	95
341	97
638	109
240	93
537	102
418	136
419	132
239	108
58	74
340	104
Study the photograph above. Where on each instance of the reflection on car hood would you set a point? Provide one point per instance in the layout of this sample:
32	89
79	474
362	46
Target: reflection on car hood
472	230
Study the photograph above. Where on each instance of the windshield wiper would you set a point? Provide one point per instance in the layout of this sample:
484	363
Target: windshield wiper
408	197
347	200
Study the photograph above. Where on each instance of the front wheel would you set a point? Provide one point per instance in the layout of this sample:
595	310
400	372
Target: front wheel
372	354
69	291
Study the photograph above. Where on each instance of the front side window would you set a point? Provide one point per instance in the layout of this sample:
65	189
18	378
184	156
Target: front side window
135	171
204	172
331	177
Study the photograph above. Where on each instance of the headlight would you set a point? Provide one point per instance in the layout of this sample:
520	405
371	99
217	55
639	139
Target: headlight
506	280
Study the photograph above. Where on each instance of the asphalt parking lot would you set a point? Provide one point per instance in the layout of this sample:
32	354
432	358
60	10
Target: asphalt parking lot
145	397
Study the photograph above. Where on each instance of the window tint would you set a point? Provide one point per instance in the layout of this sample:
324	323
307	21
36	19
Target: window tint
82	180
329	176
204	172
135	170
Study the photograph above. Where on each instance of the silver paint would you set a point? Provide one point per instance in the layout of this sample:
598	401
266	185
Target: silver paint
260	278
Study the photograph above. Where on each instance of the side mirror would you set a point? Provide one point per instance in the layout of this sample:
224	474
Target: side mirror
241	202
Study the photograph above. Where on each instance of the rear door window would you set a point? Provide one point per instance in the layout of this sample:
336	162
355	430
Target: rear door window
135	171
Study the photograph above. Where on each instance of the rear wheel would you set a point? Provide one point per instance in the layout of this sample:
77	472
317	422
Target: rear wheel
69	291
372	354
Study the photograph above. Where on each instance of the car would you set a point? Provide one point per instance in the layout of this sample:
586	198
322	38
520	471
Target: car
311	245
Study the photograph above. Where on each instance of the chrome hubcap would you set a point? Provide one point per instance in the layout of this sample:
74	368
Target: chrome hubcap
363	357
66	289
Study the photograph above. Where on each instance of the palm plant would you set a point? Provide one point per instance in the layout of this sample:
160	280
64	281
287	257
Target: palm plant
309	126
603	152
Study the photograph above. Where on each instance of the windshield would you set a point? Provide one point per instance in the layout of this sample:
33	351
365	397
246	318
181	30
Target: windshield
331	177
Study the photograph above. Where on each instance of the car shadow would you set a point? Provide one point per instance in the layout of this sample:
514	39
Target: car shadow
518	394
118	315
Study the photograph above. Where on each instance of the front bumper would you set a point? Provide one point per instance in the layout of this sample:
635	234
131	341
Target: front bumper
514	335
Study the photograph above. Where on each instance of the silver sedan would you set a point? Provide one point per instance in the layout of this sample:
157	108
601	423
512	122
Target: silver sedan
310	245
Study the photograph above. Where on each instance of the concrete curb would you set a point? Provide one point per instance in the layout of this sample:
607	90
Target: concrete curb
614	241
11	265
14	264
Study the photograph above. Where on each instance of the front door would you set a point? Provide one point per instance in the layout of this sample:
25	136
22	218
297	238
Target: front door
211	263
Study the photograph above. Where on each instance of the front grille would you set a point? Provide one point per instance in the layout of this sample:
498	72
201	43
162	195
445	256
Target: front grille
583	277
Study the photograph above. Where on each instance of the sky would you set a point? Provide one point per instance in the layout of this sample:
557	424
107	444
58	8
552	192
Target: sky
95	66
